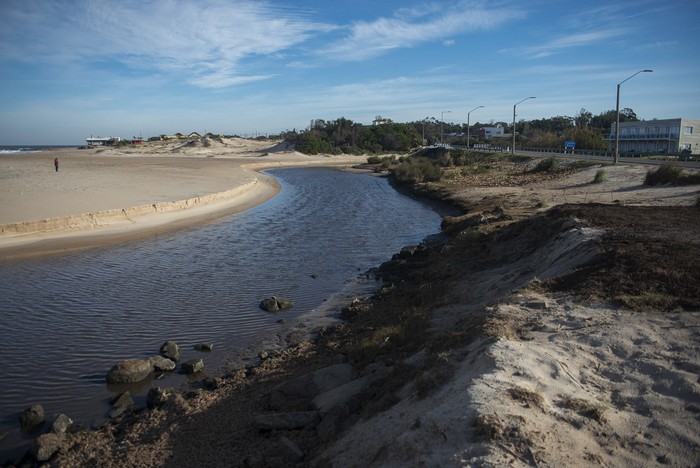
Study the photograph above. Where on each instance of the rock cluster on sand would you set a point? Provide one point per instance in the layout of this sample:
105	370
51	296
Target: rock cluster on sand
136	370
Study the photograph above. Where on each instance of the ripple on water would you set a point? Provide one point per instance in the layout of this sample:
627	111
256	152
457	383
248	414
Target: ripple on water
66	319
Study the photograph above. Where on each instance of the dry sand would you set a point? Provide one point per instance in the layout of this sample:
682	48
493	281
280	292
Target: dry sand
111	194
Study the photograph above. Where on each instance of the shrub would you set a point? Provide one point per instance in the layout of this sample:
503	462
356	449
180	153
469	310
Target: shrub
415	170
374	160
546	165
599	177
670	174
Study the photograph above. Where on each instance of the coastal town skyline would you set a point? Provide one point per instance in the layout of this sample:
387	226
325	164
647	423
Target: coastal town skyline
72	69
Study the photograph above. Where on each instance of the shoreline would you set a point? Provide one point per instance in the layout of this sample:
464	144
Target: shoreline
529	362
171	192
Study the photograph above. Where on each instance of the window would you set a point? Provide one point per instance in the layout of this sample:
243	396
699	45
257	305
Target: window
688	130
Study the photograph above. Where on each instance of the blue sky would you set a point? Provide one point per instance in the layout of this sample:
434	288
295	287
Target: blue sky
71	69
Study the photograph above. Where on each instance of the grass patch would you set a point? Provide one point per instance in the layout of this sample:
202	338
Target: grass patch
527	397
584	408
405	333
599	177
475	169
647	301
671	174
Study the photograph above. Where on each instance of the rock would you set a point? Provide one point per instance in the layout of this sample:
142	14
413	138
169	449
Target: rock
263	355
192	366
284	303
289	450
211	383
158	396
170	350
274	304
46	445
161	363
129	371
204	346
307	387
286	421
124	400
32	417
269	305
61	424
117	413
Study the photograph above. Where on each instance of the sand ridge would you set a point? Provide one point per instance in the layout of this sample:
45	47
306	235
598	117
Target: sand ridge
111	194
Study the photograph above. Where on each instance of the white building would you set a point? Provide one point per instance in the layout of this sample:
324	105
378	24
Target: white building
669	136
102	141
489	132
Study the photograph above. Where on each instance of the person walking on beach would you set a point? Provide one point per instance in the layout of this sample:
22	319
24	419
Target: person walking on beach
55	163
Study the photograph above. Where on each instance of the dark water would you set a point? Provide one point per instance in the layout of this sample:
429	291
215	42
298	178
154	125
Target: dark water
65	320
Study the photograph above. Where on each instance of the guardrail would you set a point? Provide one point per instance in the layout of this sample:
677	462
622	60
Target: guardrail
608	155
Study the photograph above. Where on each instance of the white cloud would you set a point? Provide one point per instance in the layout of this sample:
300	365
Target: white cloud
208	42
409	28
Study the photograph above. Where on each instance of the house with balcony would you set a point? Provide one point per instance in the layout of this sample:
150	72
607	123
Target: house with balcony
102	141
668	136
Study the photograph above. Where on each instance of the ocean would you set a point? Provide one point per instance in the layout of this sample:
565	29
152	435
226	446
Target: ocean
19	149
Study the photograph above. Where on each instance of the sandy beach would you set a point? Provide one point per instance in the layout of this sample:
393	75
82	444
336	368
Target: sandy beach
101	195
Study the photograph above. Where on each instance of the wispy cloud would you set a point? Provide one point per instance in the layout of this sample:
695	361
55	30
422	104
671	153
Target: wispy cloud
412	27
565	42
207	43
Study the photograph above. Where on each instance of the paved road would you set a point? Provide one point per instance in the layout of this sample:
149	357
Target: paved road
622	159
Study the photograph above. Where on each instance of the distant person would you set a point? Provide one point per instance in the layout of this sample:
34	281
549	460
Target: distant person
55	163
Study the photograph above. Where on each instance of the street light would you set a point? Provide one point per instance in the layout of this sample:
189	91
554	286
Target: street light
442	120
468	140
512	151
617	116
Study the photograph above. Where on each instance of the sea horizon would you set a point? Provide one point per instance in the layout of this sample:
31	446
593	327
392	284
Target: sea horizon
19	149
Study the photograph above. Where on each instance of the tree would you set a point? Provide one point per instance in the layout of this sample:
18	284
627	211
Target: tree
583	118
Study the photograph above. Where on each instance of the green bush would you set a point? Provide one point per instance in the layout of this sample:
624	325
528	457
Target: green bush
414	170
374	160
599	177
670	174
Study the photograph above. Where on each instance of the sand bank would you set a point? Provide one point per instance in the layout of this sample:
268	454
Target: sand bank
111	195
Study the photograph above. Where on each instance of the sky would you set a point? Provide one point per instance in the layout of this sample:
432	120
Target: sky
71	69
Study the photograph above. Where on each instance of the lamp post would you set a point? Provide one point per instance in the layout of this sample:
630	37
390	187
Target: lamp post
617	116
512	151
442	120
468	140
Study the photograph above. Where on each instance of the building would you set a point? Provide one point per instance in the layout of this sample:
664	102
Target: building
489	132
102	141
669	136
379	120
